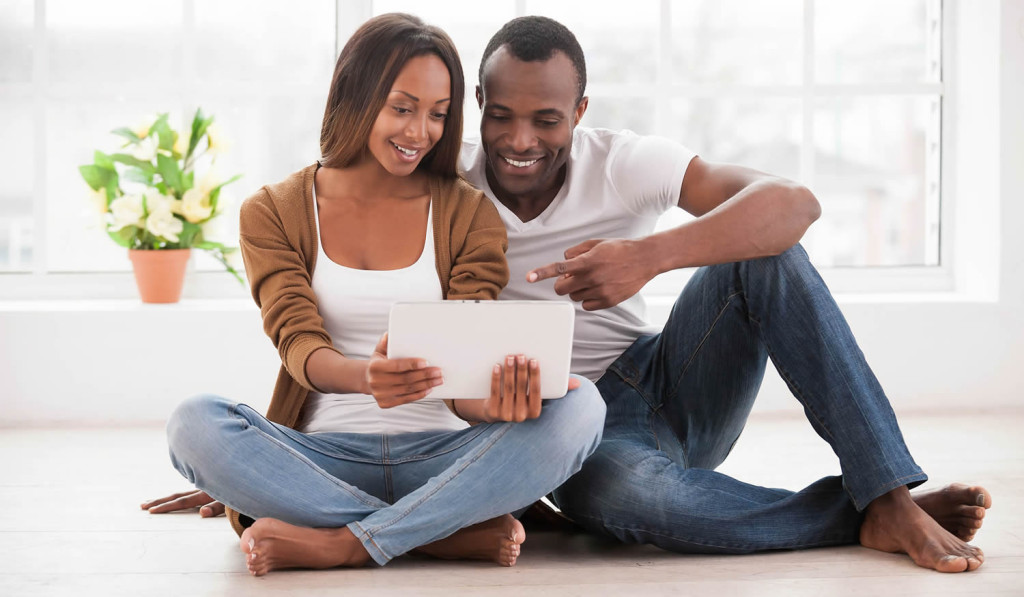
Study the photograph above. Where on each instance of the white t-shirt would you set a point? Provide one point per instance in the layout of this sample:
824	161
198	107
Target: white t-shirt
617	185
355	304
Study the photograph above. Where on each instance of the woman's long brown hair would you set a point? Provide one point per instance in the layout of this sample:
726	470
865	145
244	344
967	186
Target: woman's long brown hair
367	68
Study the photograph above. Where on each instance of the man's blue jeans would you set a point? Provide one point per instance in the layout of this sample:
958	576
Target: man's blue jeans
394	492
678	400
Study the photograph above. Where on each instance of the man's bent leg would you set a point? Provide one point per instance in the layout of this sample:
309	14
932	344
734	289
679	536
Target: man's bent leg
632	489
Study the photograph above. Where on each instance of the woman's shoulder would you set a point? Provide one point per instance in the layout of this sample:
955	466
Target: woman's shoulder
284	199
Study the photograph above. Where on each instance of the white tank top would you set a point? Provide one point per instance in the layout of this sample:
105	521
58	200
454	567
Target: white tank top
354	304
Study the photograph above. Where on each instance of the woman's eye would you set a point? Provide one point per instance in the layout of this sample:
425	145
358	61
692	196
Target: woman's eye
439	115
401	110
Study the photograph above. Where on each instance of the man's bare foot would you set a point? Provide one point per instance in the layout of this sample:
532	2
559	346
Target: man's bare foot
497	540
960	509
895	524
270	544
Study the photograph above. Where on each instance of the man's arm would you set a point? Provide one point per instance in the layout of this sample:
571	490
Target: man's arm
740	214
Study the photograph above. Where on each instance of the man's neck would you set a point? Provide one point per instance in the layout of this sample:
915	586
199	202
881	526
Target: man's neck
527	206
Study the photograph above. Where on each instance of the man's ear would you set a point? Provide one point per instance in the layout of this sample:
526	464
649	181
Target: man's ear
580	109
479	97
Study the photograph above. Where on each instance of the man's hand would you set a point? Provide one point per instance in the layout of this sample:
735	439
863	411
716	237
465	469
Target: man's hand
208	507
599	273
398	381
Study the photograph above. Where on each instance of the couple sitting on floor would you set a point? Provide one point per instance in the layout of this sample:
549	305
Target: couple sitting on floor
355	461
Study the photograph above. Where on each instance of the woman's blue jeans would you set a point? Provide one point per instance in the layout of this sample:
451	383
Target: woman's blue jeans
678	400
394	492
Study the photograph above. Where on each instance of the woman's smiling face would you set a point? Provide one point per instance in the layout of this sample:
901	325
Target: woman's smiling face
412	120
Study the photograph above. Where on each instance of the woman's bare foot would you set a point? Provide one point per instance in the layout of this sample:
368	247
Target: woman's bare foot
497	540
270	544
960	509
895	524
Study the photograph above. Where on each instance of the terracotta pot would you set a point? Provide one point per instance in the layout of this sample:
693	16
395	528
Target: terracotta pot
159	274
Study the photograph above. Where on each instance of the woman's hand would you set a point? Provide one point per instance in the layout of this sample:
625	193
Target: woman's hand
515	393
186	500
399	381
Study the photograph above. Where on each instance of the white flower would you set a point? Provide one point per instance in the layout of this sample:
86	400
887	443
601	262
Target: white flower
180	144
142	128
127	211
156	202
218	144
195	206
209	181
163	223
98	199
145	150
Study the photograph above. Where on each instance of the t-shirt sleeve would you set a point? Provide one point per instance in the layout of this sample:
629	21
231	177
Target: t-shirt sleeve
647	172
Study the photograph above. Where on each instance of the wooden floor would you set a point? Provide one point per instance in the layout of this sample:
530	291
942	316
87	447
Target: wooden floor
70	525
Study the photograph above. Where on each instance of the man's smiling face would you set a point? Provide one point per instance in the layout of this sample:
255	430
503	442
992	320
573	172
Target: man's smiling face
529	113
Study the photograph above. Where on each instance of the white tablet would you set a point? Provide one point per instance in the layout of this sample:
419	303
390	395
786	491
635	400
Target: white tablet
467	338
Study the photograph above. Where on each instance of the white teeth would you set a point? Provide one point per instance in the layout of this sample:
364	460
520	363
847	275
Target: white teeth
520	164
404	150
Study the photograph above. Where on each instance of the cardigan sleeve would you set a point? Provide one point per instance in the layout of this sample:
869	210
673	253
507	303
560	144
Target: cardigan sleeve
281	285
479	241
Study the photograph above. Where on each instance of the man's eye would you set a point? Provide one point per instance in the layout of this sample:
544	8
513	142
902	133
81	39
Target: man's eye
547	123
498	117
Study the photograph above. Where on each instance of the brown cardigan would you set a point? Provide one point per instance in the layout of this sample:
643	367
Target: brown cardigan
279	242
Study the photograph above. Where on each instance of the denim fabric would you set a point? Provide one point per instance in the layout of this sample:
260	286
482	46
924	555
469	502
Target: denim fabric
394	492
678	400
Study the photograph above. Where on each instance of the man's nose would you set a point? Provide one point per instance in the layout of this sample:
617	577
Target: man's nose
522	137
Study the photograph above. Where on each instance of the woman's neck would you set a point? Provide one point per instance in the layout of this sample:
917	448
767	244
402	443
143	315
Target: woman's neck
368	180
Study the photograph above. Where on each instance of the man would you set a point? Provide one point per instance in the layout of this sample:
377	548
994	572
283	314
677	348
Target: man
679	397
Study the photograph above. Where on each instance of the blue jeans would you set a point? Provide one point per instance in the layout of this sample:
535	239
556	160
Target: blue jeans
678	400
394	492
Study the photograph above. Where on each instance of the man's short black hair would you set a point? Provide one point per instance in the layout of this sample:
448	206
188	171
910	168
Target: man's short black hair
535	39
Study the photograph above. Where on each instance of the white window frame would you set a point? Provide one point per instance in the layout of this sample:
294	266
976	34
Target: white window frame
918	280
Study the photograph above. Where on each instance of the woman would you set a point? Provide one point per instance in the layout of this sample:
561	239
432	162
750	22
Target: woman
354	461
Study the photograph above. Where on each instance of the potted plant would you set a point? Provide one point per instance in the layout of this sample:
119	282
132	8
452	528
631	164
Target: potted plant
152	204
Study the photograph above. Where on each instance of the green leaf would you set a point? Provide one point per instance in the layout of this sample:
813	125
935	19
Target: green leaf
130	160
163	132
126	237
199	126
127	133
188	234
102	160
95	176
136	175
170	172
215	191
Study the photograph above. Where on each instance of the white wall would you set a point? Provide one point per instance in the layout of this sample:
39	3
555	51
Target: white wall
122	362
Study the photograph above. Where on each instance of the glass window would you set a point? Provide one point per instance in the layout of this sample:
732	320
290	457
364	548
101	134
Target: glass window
16	206
17	18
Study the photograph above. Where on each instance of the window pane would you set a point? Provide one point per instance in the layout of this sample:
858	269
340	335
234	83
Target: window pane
621	46
470	26
114	41
763	134
877	41
749	42
876	165
633	113
18	159
16	23
246	40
